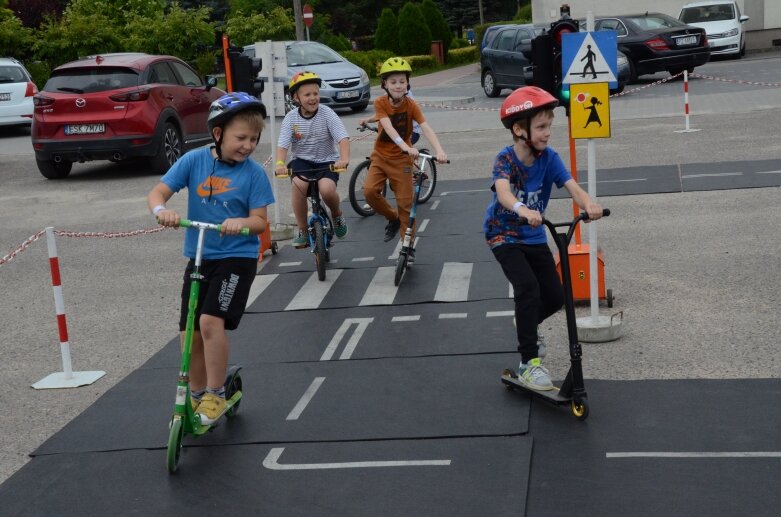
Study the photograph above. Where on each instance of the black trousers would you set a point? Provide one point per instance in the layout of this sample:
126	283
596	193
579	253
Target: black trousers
537	289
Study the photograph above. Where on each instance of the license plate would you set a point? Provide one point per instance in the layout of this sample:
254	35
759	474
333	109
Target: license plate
5	96
348	95
84	129
688	40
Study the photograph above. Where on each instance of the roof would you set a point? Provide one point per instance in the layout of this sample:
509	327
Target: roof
135	60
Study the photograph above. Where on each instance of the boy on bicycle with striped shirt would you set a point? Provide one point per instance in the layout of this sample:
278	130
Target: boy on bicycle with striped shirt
312	132
393	153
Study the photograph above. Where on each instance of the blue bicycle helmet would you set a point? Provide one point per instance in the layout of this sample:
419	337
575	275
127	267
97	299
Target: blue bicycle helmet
224	108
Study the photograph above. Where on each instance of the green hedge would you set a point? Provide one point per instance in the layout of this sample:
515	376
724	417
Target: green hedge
463	56
370	61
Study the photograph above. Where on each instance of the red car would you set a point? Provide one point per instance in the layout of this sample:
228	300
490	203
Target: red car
120	106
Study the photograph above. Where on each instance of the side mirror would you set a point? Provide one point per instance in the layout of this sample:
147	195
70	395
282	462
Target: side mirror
211	82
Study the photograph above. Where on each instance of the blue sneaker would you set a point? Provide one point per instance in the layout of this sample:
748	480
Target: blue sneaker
340	227
534	375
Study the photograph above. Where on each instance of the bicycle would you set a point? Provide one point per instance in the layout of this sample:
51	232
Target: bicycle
185	420
320	226
406	253
358	178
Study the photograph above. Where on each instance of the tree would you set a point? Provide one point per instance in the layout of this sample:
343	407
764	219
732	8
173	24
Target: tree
414	34
32	12
184	33
276	24
440	30
15	39
386	37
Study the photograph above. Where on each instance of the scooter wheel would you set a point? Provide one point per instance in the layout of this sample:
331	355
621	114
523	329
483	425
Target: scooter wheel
231	388
175	435
580	409
274	248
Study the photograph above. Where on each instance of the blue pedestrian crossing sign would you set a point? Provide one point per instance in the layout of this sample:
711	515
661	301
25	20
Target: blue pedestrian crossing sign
589	57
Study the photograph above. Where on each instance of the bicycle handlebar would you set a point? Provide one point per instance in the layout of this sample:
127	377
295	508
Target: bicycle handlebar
186	223
367	127
290	172
427	156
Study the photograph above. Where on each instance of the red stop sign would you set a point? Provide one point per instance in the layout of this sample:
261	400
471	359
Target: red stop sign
308	16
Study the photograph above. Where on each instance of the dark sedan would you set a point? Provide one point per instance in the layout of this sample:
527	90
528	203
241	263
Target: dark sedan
655	42
505	62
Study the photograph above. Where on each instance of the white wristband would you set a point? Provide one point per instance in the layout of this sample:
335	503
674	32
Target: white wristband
159	208
517	205
398	140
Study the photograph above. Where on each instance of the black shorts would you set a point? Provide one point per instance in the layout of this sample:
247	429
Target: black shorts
305	165
223	292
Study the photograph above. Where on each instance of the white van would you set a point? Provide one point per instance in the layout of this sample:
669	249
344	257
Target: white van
722	22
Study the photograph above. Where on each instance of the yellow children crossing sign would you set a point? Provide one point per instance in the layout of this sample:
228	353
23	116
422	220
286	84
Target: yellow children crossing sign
589	110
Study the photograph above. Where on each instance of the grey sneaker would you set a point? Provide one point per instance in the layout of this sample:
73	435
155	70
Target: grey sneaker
340	227
301	239
541	351
534	375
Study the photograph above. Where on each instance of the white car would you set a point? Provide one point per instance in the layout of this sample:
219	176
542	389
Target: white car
16	93
722	22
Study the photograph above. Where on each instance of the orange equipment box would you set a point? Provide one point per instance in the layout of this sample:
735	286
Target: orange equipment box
266	243
581	278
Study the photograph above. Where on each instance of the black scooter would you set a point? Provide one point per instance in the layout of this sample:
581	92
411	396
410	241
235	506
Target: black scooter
572	390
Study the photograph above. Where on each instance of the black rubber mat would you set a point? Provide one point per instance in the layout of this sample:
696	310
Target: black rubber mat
450	477
653	448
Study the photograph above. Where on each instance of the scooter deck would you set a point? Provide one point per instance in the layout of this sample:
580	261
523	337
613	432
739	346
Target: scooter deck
554	396
203	429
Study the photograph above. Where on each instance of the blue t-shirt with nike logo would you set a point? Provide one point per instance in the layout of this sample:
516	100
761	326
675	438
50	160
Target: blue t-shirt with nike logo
219	191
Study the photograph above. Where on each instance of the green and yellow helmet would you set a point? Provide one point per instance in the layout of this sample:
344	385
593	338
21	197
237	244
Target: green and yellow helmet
302	78
395	65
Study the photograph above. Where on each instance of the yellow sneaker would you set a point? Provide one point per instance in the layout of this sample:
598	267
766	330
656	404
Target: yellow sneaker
211	408
194	404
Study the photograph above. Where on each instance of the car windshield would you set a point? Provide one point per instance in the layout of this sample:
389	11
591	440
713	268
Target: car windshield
303	55
655	21
90	80
708	13
11	74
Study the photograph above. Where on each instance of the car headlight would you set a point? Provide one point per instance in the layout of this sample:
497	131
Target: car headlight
364	76
731	32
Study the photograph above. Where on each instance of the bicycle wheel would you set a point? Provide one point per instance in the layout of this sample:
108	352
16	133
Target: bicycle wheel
320	259
175	435
401	266
357	199
427	187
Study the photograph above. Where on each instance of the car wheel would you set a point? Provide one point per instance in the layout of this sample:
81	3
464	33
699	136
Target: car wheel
632	72
742	50
53	170
169	149
489	84
358	109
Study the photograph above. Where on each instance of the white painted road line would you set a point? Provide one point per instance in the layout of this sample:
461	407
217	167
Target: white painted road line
414	317
349	348
258	286
499	314
453	315
434	205
767	172
306	398
454	282
363	259
713	175
381	290
422	226
311	295
272	463
289	264
735	454
395	254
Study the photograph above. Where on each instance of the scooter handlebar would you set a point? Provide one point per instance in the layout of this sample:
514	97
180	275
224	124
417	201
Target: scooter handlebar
582	217
186	223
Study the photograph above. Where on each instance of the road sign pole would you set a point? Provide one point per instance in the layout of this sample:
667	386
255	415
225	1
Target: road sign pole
592	233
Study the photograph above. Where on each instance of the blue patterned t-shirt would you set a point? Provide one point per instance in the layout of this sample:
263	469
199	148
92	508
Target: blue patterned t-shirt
532	185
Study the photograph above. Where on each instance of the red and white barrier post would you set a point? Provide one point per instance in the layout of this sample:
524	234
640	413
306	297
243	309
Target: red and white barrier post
686	104
67	378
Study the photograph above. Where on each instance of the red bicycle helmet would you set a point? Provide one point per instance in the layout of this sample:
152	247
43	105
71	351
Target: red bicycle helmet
524	103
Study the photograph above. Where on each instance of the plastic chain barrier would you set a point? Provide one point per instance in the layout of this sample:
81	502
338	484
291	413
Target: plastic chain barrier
106	235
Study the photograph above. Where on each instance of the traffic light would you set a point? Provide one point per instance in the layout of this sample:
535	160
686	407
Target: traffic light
542	61
244	72
556	32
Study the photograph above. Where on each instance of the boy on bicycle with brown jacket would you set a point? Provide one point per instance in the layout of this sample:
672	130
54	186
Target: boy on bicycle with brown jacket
393	153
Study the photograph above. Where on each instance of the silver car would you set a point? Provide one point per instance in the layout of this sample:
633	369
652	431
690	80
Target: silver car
16	93
345	85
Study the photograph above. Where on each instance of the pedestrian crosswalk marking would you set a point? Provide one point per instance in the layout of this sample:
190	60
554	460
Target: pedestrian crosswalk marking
454	282
497	314
414	317
259	285
381	290
289	264
349	348
314	291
